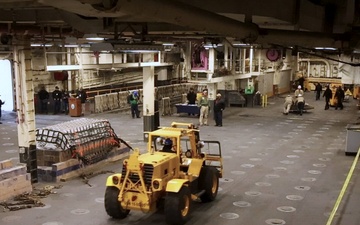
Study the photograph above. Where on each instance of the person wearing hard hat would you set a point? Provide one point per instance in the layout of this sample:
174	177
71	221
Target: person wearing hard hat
219	106
300	102
299	91
287	104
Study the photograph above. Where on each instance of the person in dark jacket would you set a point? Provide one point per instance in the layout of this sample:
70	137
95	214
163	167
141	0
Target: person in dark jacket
318	89
44	100
339	95
191	97
328	95
83	96
57	97
65	100
219	106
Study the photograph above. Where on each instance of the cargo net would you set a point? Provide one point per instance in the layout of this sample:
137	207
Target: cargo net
89	140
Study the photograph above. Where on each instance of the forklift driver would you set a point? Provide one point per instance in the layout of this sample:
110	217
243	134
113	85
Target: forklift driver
168	144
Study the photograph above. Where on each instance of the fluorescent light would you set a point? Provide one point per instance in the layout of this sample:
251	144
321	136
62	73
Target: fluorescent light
139	51
168	44
63	67
95	38
41	45
326	48
240	44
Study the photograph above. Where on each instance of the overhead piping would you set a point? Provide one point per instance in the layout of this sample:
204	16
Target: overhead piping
188	16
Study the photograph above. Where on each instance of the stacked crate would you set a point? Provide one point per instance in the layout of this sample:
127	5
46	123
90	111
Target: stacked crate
14	180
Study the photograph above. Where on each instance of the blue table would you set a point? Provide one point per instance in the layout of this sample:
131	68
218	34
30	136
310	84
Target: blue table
187	108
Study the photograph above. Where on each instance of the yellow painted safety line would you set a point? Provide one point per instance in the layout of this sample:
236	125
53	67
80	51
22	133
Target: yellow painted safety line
342	192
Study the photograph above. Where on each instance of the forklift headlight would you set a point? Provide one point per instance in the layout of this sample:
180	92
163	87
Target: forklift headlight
156	184
115	180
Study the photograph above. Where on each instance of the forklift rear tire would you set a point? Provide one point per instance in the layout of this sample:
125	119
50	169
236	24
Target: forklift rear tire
209	181
178	206
112	205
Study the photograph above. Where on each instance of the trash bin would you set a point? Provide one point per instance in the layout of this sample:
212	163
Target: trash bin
352	139
75	107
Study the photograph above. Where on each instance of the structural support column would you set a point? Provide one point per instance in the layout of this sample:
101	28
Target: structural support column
150	122
25	108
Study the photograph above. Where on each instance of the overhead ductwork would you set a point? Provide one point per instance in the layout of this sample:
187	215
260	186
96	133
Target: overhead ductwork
188	16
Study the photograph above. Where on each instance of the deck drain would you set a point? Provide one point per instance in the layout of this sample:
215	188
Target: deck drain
302	188
286	209
10	218
68	194
262	184
328	153
294	197
279	168
237	172
80	211
229	216
308	179
241	204
275	222
255	159
52	223
253	193
8	144
314	171
293	156
298	151
243	146
263	153
99	200
319	165
247	165
12	151
226	180
324	159
313	138
288	162
272	176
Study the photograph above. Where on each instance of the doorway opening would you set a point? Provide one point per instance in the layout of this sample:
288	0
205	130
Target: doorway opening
6	86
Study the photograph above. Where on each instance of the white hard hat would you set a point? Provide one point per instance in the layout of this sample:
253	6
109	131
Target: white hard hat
218	95
300	95
299	87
